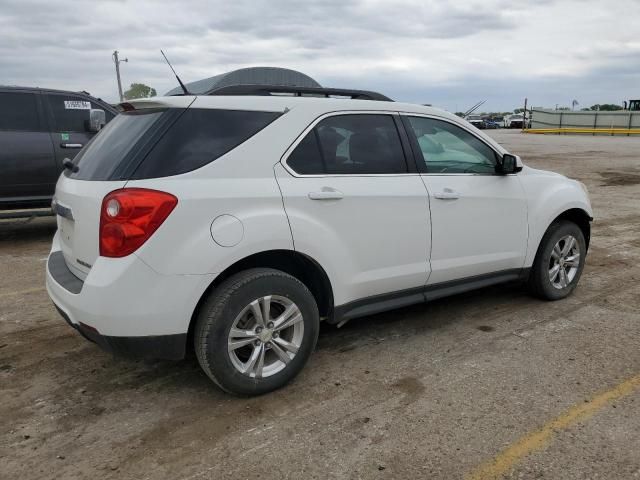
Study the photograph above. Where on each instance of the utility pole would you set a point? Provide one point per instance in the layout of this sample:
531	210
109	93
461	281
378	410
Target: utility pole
117	61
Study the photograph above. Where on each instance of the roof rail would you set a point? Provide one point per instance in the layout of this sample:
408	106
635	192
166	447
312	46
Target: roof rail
283	90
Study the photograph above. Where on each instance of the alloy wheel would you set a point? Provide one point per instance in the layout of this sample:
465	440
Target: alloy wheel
265	336
564	262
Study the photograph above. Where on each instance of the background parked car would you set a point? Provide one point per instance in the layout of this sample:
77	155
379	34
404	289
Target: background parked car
491	124
476	121
39	128
513	121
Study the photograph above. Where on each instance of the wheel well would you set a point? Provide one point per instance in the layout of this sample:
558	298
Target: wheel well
304	268
580	218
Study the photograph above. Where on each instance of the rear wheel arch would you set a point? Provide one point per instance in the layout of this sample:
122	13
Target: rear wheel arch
296	264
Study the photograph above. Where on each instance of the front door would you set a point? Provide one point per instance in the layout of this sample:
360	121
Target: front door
354	206
478	216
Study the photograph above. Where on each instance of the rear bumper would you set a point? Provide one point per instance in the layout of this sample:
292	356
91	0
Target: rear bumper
126	307
168	347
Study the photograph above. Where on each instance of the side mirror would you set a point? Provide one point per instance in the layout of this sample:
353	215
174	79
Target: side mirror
509	164
97	120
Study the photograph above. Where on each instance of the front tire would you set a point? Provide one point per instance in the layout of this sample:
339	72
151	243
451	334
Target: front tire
256	331
559	262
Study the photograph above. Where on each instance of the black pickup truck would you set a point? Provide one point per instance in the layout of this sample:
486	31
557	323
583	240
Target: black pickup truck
39	129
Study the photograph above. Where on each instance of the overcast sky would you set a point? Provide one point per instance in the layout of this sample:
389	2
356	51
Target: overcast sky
448	53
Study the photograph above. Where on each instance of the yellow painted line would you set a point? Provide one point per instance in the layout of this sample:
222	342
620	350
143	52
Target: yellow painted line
508	458
21	292
608	131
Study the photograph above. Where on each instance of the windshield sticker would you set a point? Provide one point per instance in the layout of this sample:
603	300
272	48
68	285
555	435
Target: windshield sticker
77	105
64	136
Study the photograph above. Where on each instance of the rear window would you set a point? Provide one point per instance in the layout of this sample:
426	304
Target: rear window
106	153
198	137
160	143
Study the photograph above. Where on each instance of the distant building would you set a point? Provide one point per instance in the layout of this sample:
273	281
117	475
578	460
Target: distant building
250	76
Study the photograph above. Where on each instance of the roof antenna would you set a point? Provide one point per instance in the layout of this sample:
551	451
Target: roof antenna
184	89
473	109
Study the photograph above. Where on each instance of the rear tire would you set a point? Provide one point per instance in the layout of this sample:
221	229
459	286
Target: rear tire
256	331
559	262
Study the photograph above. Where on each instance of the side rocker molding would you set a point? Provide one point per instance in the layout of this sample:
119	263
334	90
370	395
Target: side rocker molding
412	296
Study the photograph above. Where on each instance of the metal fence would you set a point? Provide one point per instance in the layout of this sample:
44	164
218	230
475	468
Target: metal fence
591	122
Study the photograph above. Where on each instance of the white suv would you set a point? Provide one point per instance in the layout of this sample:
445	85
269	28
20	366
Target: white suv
235	224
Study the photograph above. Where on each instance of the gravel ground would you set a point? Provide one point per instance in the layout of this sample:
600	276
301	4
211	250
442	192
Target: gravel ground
431	391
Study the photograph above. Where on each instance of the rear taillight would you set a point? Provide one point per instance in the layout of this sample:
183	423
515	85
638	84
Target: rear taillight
128	218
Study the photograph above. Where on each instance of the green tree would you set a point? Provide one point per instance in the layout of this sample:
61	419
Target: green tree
606	107
139	90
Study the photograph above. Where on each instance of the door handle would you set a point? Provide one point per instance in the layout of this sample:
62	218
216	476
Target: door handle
71	145
447	194
326	194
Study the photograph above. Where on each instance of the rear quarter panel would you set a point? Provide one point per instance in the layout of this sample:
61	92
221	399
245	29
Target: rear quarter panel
184	244
241	183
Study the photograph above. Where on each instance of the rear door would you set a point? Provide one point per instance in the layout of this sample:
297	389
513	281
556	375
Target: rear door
68	116
27	162
355	205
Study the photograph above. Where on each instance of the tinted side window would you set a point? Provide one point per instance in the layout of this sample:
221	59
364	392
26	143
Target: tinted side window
447	148
198	137
306	158
70	112
19	111
351	144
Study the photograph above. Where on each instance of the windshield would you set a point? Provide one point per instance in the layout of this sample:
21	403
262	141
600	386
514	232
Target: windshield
100	158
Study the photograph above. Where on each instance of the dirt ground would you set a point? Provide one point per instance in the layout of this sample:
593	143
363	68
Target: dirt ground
486	385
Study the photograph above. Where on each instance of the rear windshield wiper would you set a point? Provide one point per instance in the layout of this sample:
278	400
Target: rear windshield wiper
69	165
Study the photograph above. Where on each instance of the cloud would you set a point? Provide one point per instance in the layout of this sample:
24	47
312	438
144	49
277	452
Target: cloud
450	53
